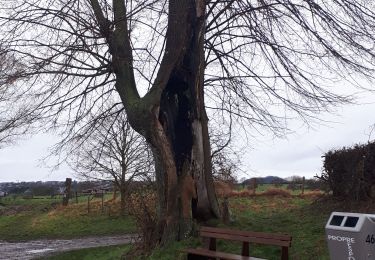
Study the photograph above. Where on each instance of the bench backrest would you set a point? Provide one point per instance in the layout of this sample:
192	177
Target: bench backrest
247	236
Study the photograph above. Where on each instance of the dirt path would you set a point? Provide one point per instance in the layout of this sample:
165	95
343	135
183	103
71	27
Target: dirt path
37	248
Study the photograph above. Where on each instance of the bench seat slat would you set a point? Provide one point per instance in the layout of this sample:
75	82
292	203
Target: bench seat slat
245	233
219	255
246	237
242	238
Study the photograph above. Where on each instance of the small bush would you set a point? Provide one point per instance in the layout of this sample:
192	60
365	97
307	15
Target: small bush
241	194
142	206
222	189
276	192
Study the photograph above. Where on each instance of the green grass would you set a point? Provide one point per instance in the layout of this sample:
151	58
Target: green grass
264	187
98	253
43	200
296	216
172	252
37	218
36	201
28	227
293	216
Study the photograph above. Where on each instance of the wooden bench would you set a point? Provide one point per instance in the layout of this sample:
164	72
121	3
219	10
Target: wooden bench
246	237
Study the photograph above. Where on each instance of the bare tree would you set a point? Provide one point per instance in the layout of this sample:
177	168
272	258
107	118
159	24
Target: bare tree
114	152
255	61
13	122
225	155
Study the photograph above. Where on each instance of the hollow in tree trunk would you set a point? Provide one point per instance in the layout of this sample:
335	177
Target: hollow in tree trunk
171	116
181	145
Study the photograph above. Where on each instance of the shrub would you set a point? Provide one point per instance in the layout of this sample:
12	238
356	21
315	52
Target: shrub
142	206
277	192
241	194
222	189
350	172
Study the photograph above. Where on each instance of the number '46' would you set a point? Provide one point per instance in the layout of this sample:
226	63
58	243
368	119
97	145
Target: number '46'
370	239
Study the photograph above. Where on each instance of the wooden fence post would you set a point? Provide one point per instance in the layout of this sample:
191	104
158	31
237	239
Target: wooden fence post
303	185
66	197
88	204
226	214
254	180
102	201
114	191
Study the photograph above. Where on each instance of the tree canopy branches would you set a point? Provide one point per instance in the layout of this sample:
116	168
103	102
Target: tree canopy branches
263	57
285	54
113	152
251	62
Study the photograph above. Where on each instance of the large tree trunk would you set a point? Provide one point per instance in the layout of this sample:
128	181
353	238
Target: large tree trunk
183	167
171	115
181	145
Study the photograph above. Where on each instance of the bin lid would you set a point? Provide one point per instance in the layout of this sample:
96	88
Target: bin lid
347	221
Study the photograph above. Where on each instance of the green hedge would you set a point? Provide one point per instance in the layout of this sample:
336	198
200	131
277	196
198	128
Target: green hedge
350	171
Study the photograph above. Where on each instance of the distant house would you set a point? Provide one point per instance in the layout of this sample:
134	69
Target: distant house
3	193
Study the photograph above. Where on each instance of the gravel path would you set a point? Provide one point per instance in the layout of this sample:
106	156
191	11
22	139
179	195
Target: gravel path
37	248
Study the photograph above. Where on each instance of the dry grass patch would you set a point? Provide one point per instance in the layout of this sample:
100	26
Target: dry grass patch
314	194
222	189
241	194
276	192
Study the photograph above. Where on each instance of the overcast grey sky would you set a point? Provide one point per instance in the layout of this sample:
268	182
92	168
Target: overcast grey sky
21	162
298	154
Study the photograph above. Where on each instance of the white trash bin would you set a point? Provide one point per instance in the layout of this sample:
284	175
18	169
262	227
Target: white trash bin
351	236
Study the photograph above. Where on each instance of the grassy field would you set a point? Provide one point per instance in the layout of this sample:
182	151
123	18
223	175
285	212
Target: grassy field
303	217
99	253
26	219
297	216
264	187
292	215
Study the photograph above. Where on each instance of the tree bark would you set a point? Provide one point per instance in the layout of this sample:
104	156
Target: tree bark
68	184
171	116
181	144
